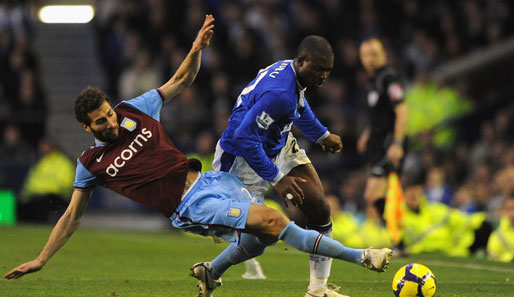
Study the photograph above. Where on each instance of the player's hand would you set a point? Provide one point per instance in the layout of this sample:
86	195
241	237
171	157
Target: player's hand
395	154
203	38
29	267
332	143
289	189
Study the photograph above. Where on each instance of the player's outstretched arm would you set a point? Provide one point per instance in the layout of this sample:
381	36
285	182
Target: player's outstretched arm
63	230
187	71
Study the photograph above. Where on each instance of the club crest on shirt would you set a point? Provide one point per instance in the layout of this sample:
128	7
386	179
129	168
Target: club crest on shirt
234	212
128	124
373	98
395	91
264	120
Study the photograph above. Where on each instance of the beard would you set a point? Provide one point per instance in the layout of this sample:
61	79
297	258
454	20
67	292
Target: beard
106	135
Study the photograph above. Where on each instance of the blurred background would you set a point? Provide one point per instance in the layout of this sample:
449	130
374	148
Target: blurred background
456	59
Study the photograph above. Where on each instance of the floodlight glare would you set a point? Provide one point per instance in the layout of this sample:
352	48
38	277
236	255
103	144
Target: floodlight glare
78	14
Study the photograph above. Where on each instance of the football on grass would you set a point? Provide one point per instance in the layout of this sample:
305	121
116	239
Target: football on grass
414	280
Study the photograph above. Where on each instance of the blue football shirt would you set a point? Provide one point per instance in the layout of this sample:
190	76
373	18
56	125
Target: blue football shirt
263	115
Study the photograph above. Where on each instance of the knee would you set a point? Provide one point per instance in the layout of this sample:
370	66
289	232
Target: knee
274	222
324	211
317	210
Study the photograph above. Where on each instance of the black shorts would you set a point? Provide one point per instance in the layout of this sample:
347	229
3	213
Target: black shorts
377	147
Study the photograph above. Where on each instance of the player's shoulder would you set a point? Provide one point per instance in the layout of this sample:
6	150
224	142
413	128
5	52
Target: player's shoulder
385	77
277	94
92	153
125	106
387	73
281	73
280	90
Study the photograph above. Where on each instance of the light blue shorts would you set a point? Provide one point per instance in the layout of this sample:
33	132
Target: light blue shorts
216	205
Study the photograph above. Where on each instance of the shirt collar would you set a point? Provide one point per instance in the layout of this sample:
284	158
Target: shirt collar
301	90
99	143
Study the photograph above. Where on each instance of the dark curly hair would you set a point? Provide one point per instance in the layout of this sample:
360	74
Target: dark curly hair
90	99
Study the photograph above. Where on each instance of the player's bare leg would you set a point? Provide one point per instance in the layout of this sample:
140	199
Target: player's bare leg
317	211
374	193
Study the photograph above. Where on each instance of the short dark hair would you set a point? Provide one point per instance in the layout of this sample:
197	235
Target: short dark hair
90	99
314	45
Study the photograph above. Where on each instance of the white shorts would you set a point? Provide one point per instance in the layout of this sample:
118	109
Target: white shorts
289	157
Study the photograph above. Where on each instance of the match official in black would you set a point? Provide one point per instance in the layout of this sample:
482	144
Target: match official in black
384	137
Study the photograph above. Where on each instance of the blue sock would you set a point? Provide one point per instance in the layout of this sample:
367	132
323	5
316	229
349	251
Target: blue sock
249	247
320	266
310	241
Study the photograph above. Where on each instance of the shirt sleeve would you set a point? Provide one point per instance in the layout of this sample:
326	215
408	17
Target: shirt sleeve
393	86
309	124
149	103
83	178
248	136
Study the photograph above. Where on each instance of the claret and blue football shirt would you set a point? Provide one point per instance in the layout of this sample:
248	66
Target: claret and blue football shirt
142	164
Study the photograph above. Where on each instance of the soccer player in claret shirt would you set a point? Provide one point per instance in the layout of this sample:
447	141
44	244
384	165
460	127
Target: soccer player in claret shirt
133	156
384	138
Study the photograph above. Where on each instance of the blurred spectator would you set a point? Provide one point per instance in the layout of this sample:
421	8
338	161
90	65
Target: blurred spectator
431	106
435	227
47	187
436	188
16	155
14	148
480	150
351	193
464	200
501	243
138	77
503	186
13	18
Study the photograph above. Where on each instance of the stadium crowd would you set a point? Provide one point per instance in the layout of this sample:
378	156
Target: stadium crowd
22	98
141	43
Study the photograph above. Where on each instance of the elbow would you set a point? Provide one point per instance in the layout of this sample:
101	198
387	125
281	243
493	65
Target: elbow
238	138
243	143
187	81
72	216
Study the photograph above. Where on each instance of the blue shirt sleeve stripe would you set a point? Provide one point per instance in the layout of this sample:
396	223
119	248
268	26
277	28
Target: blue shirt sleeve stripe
83	178
149	103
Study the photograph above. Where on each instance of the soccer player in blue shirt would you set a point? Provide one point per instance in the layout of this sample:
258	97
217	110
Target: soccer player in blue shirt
260	150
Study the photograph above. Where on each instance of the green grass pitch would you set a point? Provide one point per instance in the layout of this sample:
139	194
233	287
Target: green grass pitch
126	263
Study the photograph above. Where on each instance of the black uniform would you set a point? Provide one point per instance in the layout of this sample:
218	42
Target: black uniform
384	92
